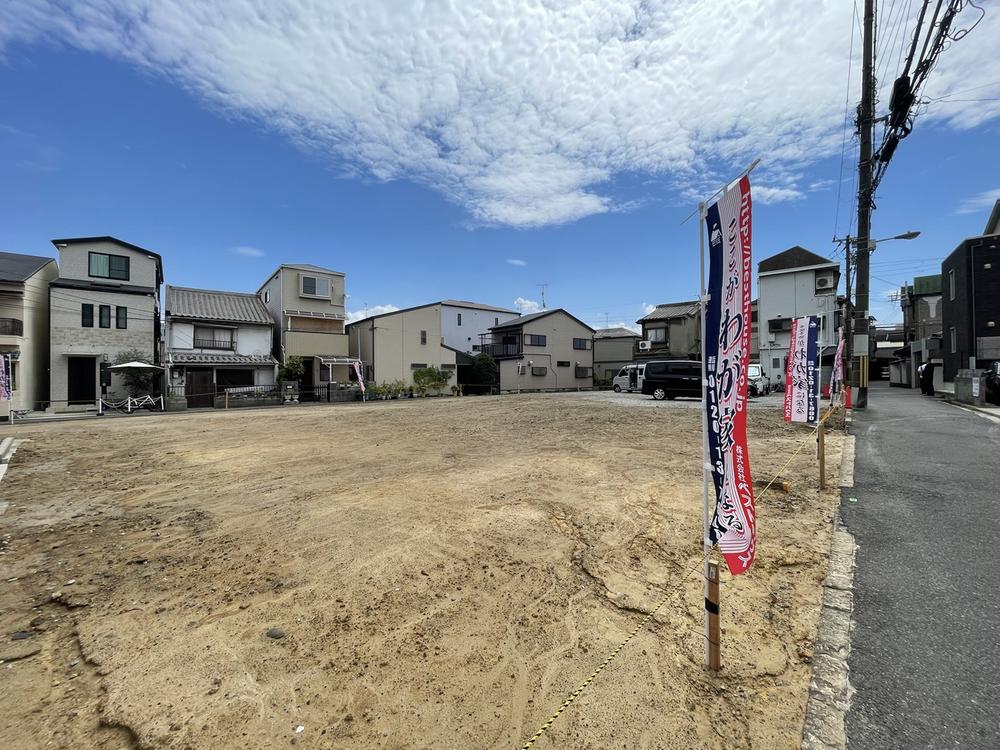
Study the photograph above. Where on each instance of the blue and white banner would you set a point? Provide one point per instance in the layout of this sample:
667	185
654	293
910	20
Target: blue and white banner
802	372
727	360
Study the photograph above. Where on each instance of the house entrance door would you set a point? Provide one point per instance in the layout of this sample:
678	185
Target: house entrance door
199	388
81	374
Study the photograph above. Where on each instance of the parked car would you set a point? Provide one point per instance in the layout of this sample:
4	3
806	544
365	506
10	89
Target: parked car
993	384
629	378
759	384
669	379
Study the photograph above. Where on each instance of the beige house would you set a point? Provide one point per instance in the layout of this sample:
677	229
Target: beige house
613	349
549	350
24	328
105	301
306	303
444	335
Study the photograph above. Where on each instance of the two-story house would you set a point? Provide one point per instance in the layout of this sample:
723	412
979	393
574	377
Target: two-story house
105	301
921	306
444	335
792	284
306	303
970	306
673	331
613	349
549	350
216	341
24	328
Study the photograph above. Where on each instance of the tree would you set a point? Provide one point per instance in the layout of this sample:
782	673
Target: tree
430	378
291	370
136	382
484	370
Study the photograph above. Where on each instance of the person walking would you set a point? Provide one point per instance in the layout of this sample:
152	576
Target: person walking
927	378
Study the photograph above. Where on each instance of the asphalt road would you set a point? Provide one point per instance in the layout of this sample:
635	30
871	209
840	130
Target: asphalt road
925	651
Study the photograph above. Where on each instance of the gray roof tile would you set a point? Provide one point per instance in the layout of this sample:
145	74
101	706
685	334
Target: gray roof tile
207	304
191	358
17	267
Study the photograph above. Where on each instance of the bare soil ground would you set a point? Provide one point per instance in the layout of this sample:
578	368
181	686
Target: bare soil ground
444	572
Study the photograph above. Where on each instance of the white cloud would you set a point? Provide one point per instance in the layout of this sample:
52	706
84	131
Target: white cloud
647	308
527	306
355	315
981	203
247	251
522	112
517	262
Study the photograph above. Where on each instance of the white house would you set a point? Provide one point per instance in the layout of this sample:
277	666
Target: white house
216	341
791	284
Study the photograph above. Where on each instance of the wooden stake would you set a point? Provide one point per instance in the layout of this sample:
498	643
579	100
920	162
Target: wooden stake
712	610
821	450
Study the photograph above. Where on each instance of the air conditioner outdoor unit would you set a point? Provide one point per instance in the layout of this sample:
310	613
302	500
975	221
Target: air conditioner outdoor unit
645	346
824	282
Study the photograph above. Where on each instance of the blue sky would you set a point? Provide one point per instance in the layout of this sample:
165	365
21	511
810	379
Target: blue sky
227	175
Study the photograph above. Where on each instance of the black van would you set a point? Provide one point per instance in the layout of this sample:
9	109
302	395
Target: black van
672	378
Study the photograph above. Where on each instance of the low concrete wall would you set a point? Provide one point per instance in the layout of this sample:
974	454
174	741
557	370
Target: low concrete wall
970	387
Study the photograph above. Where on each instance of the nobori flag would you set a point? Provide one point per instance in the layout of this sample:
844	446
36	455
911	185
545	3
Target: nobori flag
802	372
727	357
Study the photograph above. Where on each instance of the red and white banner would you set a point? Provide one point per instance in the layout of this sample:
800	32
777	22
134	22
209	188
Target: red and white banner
361	380
838	361
727	359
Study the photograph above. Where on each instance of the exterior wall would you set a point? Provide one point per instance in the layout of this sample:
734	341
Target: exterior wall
611	354
559	330
308	344
791	294
74	263
474	322
397	344
33	363
974	312
250	339
270	295
68	337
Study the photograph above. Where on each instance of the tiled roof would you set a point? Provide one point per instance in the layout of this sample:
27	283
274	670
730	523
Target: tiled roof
191	358
671	310
17	267
793	257
311	267
517	322
206	304
614	333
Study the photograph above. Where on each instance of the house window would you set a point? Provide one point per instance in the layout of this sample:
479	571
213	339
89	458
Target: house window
324	373
213	338
460	318
314	286
540	371
951	286
267	296
476	347
121	317
418	365
105	316
87	316
776	363
13	375
534	339
657	335
496	321
423	337
104	266
581	344
753	316
954	341
584	372
779	324
562	363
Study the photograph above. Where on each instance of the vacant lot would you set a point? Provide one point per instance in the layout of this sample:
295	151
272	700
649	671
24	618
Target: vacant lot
443	573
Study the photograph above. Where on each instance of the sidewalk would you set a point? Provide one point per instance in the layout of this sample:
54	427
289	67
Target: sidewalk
925	514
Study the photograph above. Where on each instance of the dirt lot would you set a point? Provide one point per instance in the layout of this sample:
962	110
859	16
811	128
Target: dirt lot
443	572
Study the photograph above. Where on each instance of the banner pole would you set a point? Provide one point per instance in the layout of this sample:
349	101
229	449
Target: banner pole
706	541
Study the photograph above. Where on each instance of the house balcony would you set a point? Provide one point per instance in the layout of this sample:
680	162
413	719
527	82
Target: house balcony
11	327
499	351
213	344
312	344
655	349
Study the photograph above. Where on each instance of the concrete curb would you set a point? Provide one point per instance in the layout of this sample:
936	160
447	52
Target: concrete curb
830	688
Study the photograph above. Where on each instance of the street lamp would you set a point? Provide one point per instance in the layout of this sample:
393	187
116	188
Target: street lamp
853	371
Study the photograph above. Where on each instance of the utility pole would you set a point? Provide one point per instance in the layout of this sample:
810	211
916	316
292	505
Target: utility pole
866	118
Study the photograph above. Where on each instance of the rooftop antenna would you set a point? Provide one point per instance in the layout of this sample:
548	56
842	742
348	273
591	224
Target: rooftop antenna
607	320
543	287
